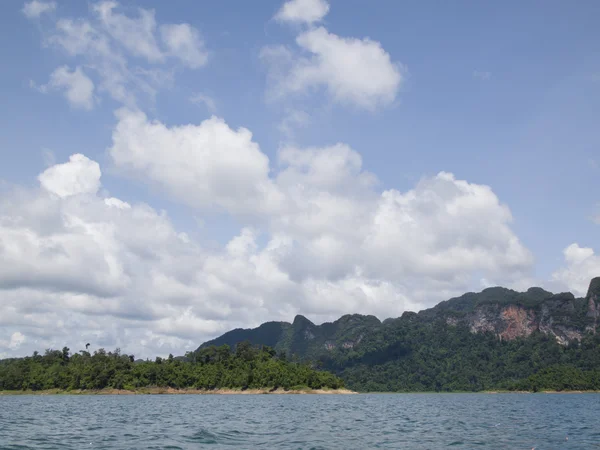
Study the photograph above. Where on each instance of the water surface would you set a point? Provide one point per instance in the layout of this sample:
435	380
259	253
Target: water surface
408	421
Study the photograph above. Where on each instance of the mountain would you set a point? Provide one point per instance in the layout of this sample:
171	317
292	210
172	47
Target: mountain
302	337
501	337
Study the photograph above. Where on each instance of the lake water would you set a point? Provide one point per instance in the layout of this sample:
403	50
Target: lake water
409	421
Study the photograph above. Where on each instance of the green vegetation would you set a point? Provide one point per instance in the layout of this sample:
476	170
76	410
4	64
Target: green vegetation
434	356
422	352
210	368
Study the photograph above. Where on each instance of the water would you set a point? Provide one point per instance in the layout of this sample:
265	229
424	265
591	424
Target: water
410	421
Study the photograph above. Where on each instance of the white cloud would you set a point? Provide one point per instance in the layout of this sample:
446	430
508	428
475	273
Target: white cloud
582	264
430	242
137	35
13	343
124	50
77	86
325	208
77	268
303	11
353	71
184	42
81	39
116	203
80	175
203	99
16	339
36	8
446	230
209	165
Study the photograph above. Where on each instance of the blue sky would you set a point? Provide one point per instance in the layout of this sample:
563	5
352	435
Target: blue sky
502	95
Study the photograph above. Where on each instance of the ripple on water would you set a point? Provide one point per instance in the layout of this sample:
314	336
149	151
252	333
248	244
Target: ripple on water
299	422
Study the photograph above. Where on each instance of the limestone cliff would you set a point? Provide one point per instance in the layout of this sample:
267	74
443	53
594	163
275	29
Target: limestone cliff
509	314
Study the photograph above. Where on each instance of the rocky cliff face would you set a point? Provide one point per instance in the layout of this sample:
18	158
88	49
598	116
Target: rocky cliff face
507	322
562	316
593	304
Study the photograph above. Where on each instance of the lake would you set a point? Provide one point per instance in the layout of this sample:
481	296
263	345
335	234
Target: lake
410	421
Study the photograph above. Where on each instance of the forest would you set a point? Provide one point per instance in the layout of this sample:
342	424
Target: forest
435	357
248	367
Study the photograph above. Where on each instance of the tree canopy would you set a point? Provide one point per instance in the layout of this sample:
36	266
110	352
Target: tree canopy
208	368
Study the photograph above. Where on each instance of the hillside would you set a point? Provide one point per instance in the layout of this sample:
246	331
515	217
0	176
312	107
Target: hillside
208	369
498	338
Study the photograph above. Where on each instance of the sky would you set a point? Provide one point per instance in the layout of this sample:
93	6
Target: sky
170	171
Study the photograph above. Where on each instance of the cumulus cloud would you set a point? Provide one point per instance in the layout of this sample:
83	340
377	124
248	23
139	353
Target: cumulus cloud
303	11
77	86
80	175
126	52
325	212
13	342
75	264
581	265
434	237
36	8
210	164
352	71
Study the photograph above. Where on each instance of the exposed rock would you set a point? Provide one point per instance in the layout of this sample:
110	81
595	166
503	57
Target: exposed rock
452	321
518	322
594	289
507	322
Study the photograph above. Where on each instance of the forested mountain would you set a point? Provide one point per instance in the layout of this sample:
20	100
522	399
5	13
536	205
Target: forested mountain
498	338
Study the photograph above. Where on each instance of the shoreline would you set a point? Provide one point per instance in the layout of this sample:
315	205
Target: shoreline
262	391
173	391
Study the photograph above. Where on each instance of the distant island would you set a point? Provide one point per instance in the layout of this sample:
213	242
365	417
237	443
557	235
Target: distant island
208	370
495	340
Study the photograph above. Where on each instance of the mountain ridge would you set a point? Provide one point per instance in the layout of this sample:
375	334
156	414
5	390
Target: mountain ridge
507	313
495	339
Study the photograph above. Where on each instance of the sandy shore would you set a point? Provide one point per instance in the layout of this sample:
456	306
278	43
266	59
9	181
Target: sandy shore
159	390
